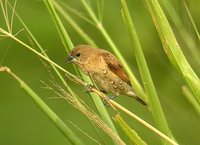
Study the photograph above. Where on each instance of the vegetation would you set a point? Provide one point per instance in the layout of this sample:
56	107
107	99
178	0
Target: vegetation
137	32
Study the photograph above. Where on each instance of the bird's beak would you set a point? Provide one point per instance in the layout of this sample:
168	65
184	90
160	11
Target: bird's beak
69	59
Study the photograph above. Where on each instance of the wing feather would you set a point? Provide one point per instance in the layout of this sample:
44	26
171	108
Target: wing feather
115	66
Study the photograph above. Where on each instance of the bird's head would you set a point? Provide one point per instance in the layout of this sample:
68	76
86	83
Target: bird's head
80	54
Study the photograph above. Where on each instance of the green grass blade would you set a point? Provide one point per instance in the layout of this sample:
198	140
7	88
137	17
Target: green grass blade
97	101
172	48
71	136
154	102
188	41
100	4
134	81
189	96
132	134
61	29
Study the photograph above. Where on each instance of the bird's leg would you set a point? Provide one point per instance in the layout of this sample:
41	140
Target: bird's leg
89	87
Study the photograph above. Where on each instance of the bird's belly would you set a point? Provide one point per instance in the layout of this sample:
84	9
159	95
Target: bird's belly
110	83
101	81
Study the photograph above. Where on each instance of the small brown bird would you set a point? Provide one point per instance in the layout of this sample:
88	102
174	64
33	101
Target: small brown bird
104	68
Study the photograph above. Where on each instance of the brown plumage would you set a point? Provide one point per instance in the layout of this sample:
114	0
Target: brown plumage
104	68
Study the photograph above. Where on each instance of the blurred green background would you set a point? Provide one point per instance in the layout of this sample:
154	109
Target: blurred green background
22	122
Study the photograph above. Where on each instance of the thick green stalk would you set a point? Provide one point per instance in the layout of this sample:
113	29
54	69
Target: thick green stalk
66	131
154	102
172	48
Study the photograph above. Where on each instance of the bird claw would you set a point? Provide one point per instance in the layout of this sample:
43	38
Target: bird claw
89	87
106	100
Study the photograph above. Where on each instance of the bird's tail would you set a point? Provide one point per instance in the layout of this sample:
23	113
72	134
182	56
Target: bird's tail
132	94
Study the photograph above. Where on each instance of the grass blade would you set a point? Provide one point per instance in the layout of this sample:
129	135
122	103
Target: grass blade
100	4
135	139
154	102
189	42
189	96
172	48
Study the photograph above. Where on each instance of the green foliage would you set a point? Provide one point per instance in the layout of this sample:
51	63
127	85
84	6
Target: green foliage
99	23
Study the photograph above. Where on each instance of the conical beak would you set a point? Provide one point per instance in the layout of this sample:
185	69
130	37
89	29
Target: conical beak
69	59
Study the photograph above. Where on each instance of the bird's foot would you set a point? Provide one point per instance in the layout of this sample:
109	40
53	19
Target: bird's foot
89	87
103	91
106	100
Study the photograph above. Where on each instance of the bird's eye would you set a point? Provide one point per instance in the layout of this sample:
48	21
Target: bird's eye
78	54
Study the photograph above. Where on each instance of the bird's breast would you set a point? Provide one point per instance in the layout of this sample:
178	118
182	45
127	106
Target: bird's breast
93	64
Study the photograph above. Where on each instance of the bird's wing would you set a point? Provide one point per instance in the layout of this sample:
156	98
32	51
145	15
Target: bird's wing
115	66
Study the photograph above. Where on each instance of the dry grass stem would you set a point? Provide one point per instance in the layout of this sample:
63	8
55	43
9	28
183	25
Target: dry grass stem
82	107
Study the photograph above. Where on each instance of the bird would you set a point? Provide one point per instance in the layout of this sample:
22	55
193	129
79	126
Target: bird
104	68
